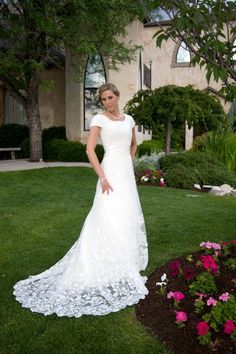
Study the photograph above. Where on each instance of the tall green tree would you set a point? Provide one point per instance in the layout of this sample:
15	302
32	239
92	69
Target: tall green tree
173	106
32	31
208	28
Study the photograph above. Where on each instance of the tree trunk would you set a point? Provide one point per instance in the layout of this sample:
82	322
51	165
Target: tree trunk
168	136
33	116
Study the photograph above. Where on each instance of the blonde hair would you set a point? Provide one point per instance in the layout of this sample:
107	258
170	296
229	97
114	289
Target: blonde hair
106	87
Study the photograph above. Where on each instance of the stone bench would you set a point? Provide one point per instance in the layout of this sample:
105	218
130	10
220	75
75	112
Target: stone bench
12	150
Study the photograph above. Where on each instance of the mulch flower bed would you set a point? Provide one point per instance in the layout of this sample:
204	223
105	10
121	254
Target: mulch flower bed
157	313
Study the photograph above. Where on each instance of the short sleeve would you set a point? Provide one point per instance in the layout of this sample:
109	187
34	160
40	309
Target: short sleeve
97	121
132	122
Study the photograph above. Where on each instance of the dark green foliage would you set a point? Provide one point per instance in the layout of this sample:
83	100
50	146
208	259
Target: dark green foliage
53	133
167	108
182	170
12	135
99	152
25	148
149	146
68	151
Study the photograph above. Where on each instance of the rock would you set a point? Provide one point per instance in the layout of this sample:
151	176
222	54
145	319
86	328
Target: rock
226	188
197	186
215	190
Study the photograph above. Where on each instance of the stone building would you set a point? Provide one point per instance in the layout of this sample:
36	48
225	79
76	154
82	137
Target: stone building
72	103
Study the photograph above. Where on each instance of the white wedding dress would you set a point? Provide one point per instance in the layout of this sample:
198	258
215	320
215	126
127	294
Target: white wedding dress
100	273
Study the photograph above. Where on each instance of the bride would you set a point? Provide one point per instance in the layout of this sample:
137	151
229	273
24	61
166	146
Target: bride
100	273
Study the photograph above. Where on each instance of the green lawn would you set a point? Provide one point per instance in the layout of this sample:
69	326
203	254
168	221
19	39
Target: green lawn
41	214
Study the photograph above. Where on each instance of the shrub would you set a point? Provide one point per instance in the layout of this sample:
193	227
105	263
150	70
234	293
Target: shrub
25	148
12	135
149	146
68	151
221	144
53	133
182	170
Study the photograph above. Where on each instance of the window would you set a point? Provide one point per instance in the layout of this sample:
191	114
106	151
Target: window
94	77
183	54
147	76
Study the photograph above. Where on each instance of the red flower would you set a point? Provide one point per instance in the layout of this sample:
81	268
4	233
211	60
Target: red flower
208	262
234	242
202	328
229	327
189	273
224	243
175	268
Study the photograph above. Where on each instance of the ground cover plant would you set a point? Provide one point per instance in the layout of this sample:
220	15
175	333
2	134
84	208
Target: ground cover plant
41	215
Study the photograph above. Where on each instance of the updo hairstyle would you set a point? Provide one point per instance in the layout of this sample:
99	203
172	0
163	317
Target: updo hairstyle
106	87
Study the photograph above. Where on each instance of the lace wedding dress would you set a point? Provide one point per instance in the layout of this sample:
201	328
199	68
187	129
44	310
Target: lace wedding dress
100	273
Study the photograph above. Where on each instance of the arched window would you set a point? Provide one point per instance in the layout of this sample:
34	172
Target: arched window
183	54
94	77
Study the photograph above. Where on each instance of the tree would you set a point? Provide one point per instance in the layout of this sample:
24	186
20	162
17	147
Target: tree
33	31
172	106
208	28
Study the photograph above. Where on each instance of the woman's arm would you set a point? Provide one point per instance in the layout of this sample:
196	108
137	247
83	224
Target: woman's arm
90	151
133	146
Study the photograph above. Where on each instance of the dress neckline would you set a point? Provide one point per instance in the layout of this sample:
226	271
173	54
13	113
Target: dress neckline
114	120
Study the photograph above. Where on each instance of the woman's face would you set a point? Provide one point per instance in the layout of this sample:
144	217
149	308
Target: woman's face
109	100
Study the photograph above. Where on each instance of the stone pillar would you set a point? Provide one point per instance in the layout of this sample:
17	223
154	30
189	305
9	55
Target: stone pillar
188	137
73	101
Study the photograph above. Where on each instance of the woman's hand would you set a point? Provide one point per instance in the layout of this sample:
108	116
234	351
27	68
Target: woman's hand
106	187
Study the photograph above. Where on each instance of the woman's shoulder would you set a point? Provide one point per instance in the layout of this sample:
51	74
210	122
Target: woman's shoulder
97	120
130	119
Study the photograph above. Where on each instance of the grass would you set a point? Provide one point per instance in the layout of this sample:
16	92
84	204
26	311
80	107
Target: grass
41	215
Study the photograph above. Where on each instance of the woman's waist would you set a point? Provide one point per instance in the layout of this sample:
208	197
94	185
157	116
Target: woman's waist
118	150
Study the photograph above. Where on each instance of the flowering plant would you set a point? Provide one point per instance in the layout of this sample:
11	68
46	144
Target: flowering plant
150	175
203	297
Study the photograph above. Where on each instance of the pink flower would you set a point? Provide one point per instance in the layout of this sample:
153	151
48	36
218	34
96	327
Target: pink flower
211	301
229	327
181	316
209	245
224	297
169	295
208	262
177	295
202	328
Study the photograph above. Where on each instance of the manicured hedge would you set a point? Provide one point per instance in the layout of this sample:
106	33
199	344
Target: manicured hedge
182	170
149	146
12	135
68	151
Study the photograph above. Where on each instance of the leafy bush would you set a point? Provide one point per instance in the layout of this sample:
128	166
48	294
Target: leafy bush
53	133
25	148
68	151
149	146
12	135
221	144
182	170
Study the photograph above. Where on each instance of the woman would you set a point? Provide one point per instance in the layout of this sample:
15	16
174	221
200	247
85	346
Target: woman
100	273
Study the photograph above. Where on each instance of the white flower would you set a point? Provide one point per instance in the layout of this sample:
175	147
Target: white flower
144	178
164	277
161	283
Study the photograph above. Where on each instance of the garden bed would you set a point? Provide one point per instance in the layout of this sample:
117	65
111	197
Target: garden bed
157	313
